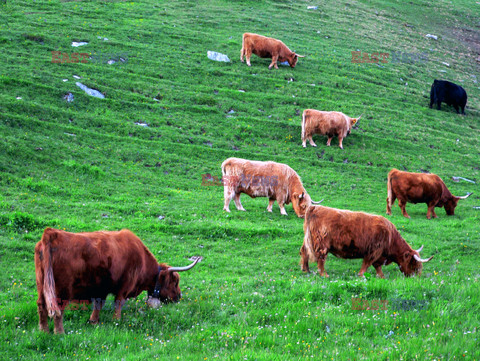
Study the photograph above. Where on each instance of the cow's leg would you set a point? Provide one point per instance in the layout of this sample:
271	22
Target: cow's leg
304	259
402	204
430	210
321	264
119	302
97	305
378	268
456	108
274	62
282	208
248	54
58	322
463	110
370	259
312	143
238	204
42	313
228	194
270	205
329	141
321	256
365	264
439	105
340	140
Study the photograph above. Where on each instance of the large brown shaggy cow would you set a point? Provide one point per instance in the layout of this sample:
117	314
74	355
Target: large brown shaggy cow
419	188
330	124
276	181
267	48
88	266
348	234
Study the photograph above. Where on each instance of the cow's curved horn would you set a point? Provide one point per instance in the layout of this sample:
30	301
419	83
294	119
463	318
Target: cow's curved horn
186	268
420	259
300	56
359	117
420	249
313	202
466	196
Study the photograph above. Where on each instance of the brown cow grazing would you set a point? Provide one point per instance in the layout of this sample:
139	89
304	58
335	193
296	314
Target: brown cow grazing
348	234
419	188
84	267
326	123
276	181
267	48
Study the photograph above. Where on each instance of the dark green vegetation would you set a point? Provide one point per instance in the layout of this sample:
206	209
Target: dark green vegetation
86	165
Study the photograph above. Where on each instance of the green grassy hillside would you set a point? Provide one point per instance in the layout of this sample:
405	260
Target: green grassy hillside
90	164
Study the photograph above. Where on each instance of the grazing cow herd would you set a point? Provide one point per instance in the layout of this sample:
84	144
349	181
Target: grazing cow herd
89	266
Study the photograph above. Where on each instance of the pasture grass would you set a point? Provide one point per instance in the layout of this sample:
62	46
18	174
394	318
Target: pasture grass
87	165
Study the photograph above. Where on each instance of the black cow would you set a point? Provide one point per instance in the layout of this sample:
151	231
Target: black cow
447	92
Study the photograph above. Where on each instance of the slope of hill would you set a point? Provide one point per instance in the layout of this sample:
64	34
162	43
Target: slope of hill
170	115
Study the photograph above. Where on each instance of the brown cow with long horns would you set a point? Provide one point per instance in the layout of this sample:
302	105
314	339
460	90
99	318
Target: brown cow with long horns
348	234
88	266
420	188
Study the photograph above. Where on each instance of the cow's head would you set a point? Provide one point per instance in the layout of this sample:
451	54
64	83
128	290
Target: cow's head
354	121
411	263
293	58
167	287
452	203
301	202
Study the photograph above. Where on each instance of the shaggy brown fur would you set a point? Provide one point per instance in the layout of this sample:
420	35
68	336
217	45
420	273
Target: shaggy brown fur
419	188
276	181
348	234
330	124
267	48
86	266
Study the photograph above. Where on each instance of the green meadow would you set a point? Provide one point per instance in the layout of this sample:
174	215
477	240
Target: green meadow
170	115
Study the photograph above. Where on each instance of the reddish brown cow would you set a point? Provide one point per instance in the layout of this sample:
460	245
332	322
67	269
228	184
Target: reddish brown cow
89	266
330	124
348	234
419	188
267	48
276	181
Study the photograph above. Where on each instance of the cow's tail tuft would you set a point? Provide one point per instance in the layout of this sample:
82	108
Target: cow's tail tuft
48	279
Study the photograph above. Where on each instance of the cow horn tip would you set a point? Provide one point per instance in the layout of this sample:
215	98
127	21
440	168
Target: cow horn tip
466	196
195	260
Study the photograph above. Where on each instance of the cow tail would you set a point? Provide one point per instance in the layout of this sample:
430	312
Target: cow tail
389	190
48	279
303	126
242	52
